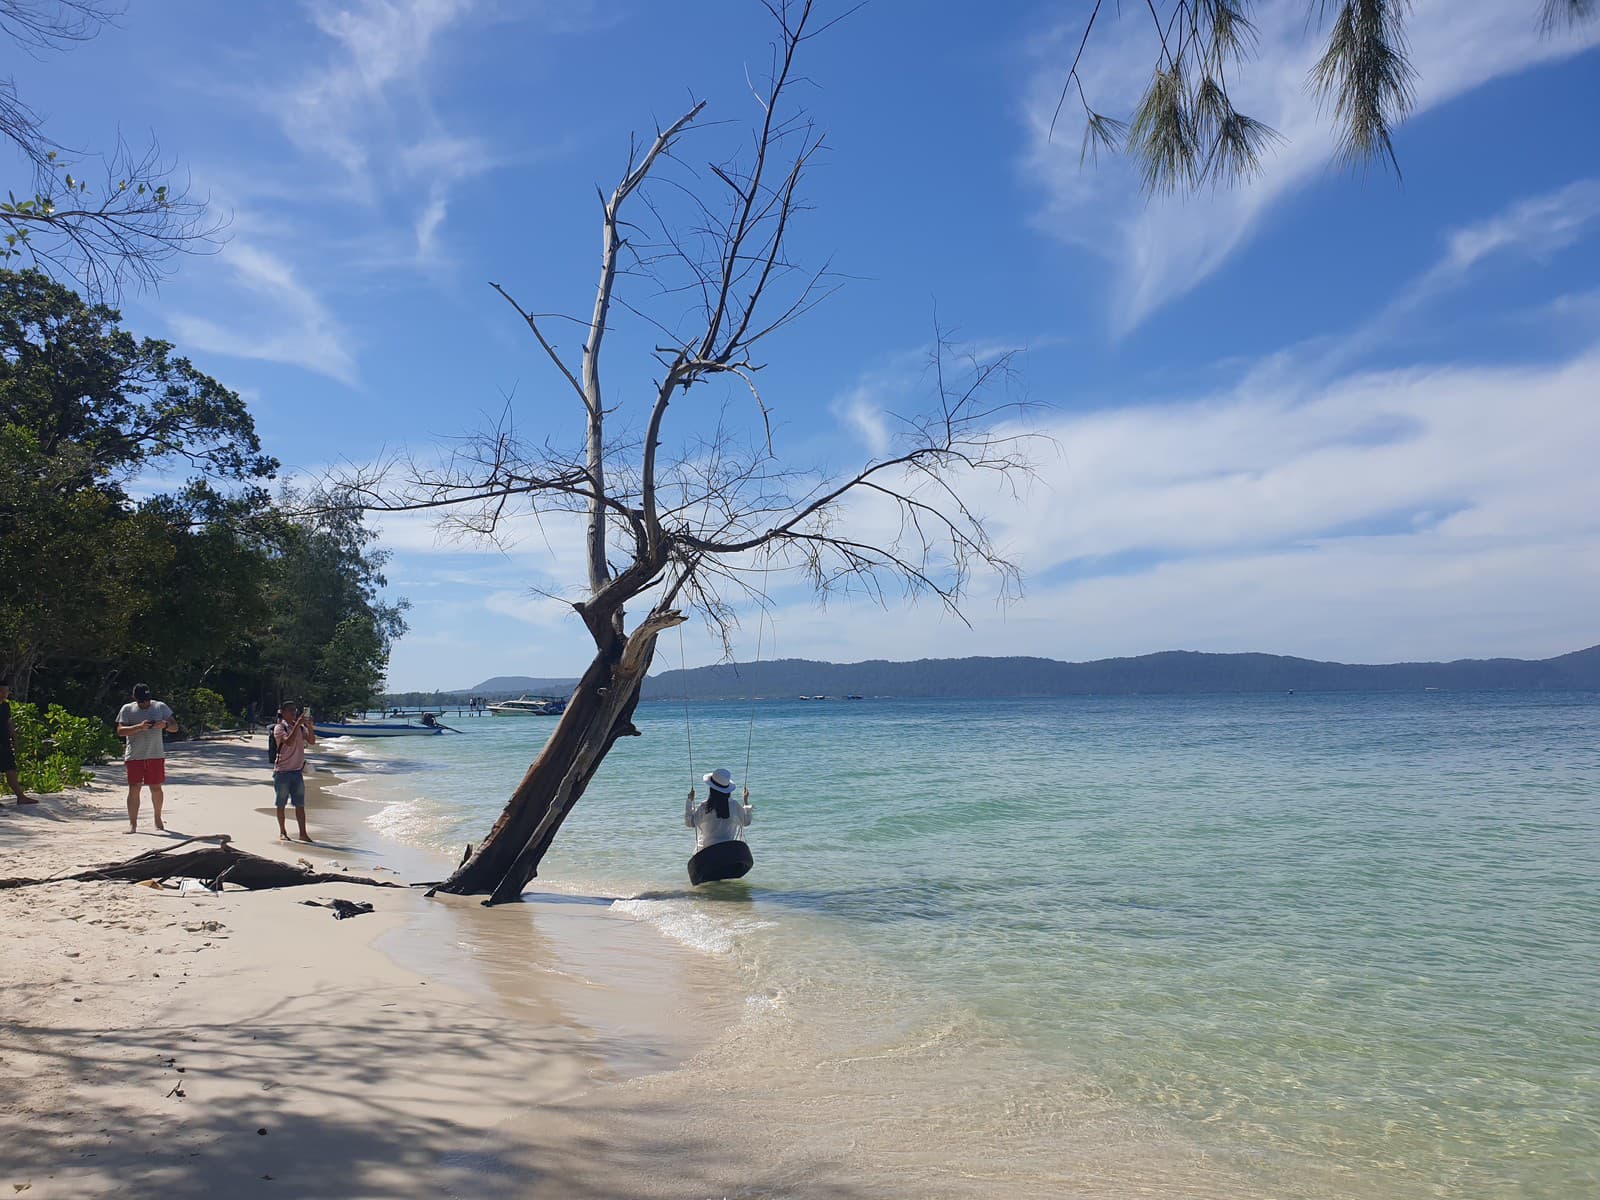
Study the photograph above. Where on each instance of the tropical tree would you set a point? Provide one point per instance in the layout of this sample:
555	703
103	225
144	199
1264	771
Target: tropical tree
126	223
328	630
84	408
1185	131
694	522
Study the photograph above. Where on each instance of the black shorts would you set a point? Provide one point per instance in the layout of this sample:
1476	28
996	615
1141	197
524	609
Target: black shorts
8	759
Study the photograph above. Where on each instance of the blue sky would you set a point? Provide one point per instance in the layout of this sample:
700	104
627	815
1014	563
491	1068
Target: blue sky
1324	415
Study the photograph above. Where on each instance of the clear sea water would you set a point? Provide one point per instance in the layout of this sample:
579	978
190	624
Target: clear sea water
1272	945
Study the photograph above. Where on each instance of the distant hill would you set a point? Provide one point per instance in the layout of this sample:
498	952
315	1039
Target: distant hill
515	685
1169	672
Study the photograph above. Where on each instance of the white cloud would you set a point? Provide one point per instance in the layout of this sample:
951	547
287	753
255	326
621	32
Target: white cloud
332	110
279	319
1538	226
1435	511
366	111
1409	514
1163	248
861	413
1421	513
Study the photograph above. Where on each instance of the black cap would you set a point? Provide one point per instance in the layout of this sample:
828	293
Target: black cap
141	691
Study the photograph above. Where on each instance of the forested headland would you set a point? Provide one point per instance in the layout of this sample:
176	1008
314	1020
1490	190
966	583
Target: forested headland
146	537
1171	672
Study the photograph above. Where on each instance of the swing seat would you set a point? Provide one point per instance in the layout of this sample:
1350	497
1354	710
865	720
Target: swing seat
720	860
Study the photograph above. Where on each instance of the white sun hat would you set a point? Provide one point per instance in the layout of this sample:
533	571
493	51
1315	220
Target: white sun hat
720	779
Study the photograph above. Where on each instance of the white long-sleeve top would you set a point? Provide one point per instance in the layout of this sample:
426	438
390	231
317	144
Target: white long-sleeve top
709	829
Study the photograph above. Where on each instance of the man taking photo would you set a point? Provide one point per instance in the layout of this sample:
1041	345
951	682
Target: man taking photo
291	735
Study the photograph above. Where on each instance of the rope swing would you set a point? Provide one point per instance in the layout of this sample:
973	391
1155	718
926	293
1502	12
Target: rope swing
729	857
688	729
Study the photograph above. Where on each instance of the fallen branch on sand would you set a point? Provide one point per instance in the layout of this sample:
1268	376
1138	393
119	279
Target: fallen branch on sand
215	864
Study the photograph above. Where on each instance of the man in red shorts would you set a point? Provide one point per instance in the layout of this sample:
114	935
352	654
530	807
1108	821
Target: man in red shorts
142	722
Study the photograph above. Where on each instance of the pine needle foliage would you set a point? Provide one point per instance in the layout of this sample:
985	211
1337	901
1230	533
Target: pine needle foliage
1186	132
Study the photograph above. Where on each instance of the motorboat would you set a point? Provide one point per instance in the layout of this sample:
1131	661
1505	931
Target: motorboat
334	729
530	706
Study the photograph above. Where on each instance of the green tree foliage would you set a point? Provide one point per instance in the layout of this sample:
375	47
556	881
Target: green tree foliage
328	640
213	587
200	709
54	747
84	408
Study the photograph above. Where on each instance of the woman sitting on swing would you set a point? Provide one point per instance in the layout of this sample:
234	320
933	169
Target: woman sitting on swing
720	818
720	851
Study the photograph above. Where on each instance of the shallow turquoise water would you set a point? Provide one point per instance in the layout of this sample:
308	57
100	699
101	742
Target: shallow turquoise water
1335	944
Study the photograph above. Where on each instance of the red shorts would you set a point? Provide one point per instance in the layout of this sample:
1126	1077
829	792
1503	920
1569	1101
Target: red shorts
151	771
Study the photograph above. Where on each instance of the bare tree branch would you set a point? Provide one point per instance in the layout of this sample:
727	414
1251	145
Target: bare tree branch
124	227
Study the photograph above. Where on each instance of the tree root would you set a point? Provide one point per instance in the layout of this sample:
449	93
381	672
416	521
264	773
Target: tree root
214	864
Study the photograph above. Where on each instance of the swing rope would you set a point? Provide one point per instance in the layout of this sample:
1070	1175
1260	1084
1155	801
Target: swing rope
683	666
688	728
761	619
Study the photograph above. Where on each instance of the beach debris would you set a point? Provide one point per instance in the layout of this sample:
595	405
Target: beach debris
341	908
261	1132
177	1090
213	863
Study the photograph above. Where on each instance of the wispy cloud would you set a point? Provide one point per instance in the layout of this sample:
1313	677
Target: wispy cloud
1163	248
277	319
1537	227
366	110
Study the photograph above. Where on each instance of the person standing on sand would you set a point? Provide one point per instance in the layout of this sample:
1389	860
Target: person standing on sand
292	734
8	746
142	722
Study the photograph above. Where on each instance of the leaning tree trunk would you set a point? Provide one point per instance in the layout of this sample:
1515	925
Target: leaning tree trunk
600	711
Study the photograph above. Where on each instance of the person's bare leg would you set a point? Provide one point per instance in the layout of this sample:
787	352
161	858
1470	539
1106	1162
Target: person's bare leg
15	781
300	816
283	830
158	796
133	808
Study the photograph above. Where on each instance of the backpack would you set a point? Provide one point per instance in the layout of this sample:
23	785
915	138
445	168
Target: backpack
272	745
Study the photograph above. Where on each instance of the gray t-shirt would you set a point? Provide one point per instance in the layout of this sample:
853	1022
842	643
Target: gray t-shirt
147	742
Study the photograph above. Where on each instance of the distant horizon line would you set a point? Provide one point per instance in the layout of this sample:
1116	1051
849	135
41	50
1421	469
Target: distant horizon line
736	664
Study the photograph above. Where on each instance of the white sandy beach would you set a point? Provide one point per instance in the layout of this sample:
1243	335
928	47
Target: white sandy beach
171	1045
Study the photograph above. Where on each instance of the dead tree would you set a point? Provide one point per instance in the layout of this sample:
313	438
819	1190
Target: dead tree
693	529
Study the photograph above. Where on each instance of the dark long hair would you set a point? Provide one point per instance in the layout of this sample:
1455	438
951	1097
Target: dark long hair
717	802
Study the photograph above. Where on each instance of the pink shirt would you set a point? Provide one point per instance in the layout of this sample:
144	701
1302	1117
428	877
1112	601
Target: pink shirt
291	748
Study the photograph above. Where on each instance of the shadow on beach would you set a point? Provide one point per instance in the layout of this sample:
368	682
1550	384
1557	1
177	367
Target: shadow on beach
295	1100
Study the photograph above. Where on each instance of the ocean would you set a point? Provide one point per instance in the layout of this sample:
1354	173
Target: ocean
1266	945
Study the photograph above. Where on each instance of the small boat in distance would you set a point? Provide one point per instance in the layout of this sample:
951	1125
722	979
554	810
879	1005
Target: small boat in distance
334	729
530	706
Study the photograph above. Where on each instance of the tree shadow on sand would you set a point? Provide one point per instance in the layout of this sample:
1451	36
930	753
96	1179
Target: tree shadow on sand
179	1114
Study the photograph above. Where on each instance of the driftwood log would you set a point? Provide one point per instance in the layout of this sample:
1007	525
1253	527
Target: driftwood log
216	863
